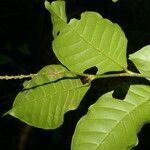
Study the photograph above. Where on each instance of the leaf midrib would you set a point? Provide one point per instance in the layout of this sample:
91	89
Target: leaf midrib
26	102
127	114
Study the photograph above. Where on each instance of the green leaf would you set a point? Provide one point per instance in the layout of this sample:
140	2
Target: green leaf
44	99
58	15
91	41
113	124
141	59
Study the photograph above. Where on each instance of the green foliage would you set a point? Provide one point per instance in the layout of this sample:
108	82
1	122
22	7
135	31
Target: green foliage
4	59
113	124
115	1
58	15
90	41
53	91
141	59
44	99
24	49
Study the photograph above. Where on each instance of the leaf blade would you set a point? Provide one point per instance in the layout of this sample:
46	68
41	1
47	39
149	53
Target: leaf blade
46	98
58	15
91	41
113	124
141	59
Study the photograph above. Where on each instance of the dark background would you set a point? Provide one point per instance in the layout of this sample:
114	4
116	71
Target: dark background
25	47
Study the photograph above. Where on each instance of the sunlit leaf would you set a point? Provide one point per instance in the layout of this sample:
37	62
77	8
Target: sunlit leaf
48	96
113	124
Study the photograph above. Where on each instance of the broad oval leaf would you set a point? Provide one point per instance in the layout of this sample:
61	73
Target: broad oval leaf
58	15
141	59
91	41
44	99
112	124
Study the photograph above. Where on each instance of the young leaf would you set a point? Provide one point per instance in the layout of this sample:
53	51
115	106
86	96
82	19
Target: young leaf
141	59
114	124
91	41
48	96
58	15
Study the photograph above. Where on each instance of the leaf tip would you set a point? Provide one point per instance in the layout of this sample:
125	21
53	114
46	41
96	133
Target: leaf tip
46	3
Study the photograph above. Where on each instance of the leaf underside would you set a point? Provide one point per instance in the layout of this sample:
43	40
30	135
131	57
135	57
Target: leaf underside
113	124
44	99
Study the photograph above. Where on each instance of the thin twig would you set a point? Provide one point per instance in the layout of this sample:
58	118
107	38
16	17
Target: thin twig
90	77
6	77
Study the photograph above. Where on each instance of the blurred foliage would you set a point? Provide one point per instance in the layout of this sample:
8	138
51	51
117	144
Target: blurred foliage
4	59
25	47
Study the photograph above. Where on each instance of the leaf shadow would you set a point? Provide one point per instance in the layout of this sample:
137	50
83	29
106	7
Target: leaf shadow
46	83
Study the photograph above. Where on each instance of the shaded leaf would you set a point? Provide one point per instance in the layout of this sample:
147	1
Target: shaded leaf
115	1
113	124
44	99
4	59
91	41
141	59
24	49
